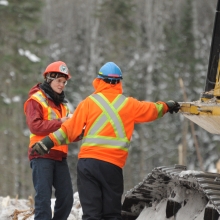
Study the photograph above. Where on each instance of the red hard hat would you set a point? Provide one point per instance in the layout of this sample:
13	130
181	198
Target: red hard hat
57	67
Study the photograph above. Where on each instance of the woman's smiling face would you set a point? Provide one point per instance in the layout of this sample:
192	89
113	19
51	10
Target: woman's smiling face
58	84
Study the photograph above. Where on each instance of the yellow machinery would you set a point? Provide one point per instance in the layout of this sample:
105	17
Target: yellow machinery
206	111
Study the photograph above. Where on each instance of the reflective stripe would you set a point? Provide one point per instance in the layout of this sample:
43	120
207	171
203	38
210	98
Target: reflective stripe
96	128
32	135
61	137
42	99
109	115
114	143
118	102
51	114
159	107
110	112
66	107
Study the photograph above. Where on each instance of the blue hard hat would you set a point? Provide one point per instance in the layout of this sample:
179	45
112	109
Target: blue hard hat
110	71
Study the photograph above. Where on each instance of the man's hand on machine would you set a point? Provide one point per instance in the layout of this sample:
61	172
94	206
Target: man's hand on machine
173	106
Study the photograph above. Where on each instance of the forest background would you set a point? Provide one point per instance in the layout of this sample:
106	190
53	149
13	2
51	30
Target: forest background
157	44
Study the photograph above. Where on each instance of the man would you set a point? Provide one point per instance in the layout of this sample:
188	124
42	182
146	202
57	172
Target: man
108	118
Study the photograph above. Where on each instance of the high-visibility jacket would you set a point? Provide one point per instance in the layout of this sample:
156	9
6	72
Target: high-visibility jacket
49	113
108	118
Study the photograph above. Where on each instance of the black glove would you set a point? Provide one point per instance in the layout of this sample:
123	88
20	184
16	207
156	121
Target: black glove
173	106
42	147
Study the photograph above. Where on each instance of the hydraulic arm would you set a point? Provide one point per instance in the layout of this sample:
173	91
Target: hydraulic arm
206	111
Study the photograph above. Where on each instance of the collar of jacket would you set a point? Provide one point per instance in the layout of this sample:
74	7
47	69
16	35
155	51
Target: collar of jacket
101	86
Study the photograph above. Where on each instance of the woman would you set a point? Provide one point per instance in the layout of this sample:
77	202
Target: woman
46	109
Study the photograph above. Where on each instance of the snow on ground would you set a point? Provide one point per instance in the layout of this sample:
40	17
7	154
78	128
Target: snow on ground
21	209
192	206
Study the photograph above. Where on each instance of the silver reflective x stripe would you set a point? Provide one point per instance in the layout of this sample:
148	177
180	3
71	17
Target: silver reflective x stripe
109	114
97	127
108	107
118	102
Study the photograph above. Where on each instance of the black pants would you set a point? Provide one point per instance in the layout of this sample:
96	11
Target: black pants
100	187
47	174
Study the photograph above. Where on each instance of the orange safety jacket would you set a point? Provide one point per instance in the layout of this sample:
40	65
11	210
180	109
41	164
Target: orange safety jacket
108	118
49	113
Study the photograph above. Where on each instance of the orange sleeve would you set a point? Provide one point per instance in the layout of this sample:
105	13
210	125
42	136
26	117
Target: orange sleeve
73	127
144	111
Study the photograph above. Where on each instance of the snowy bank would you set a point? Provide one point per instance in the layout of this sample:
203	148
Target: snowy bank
21	209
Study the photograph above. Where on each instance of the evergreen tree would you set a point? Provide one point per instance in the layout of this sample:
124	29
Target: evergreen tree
20	63
117	29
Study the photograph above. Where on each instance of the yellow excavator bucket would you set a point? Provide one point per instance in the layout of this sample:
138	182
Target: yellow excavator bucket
204	114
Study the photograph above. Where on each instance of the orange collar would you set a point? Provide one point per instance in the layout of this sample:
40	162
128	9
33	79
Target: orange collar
101	86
